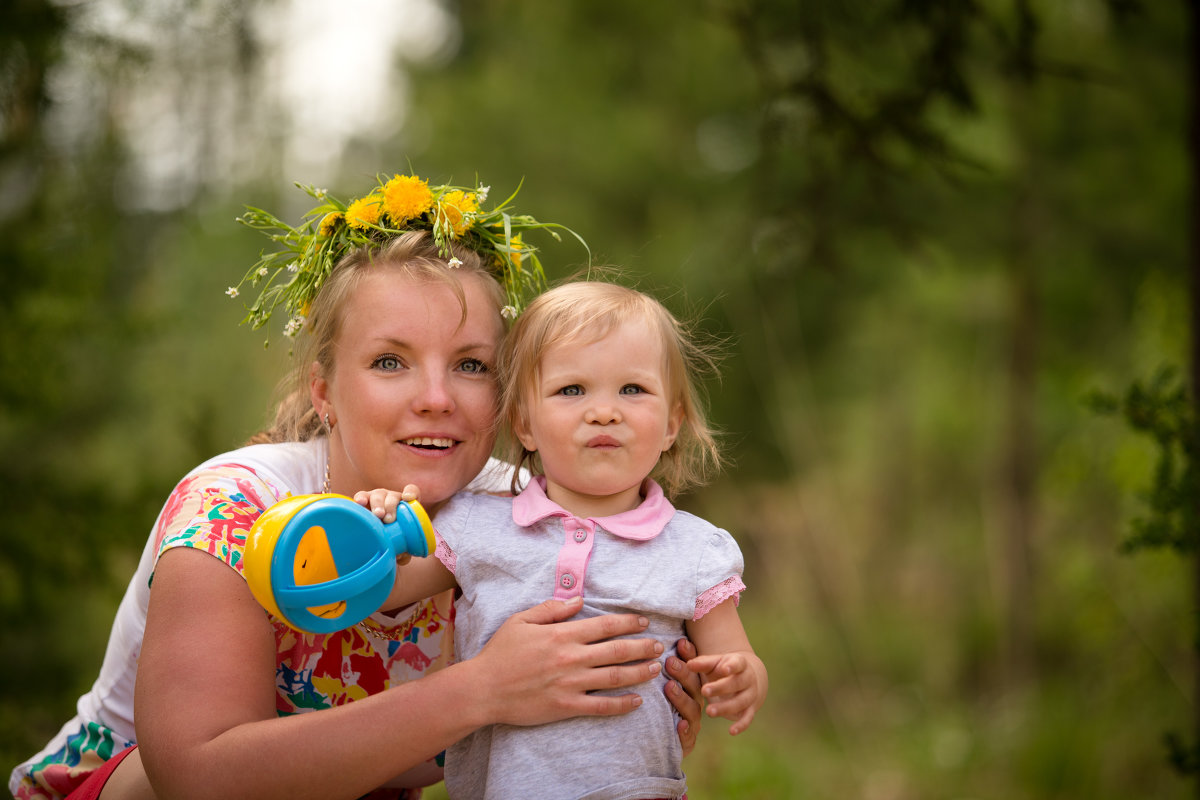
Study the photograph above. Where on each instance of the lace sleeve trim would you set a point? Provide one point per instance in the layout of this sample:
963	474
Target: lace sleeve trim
444	554
730	587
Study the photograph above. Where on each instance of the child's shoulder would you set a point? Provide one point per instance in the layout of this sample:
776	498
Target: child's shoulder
685	520
466	504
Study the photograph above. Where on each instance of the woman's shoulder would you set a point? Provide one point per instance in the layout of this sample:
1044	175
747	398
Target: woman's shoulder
216	504
292	467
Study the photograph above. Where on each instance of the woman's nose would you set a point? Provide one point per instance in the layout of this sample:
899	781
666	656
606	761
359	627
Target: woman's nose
433	396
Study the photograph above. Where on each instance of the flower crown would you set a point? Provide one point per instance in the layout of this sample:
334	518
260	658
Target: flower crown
294	274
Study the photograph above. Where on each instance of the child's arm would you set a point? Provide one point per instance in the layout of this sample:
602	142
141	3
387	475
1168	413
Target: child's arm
735	679
418	578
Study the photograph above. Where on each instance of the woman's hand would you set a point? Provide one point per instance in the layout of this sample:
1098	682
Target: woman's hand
542	668
684	694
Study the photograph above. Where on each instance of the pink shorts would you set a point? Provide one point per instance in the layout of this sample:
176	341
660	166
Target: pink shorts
91	788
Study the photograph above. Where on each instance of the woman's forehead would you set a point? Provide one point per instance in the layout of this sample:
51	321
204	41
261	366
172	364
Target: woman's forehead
392	304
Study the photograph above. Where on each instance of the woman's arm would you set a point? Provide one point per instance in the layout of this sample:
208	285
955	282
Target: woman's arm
420	578
206	722
735	678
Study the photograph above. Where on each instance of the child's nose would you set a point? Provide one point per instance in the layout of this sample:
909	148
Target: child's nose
603	414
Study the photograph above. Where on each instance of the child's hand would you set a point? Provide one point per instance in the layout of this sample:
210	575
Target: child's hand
734	684
383	503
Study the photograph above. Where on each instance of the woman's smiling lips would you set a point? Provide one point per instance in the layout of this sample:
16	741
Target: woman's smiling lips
427	443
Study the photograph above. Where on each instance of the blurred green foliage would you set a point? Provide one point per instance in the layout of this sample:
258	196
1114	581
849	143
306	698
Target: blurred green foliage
928	231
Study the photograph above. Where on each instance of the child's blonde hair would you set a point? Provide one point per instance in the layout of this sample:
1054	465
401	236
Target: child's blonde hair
585	311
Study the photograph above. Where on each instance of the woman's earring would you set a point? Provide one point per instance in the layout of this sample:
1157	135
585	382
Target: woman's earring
328	427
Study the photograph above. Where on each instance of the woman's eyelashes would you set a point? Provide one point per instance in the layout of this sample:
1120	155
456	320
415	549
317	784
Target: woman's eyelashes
388	362
473	366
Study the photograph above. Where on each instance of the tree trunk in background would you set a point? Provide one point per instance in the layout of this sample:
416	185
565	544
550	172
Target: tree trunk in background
1019	465
1019	457
1193	149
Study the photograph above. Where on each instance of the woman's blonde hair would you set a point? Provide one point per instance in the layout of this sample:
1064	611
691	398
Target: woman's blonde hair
586	311
413	254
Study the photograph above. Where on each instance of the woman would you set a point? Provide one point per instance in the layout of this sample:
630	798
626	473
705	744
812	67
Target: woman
401	335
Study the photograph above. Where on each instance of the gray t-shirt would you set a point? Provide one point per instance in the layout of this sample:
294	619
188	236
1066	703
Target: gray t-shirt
511	554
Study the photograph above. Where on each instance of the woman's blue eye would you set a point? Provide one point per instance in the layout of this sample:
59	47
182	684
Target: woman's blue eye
631	388
387	362
473	366
574	390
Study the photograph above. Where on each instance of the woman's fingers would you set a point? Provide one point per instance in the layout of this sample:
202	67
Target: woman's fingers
550	663
683	692
550	611
688	679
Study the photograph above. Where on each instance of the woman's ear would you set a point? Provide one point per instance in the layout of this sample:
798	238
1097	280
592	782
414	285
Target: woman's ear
318	390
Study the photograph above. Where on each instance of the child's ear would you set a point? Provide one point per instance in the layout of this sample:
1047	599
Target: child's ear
521	430
674	423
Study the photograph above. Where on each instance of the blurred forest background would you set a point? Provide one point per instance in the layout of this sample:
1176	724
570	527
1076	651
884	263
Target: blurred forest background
928	230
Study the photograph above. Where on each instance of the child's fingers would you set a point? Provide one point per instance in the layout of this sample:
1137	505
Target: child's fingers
704	665
742	722
733	707
411	493
380	502
729	677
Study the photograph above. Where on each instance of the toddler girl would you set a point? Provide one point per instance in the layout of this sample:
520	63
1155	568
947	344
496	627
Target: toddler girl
601	391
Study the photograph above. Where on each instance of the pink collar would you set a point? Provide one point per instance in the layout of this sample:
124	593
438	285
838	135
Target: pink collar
640	524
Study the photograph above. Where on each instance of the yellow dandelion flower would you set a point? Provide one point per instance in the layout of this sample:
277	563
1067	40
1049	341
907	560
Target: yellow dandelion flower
406	197
330	223
364	212
455	208
515	251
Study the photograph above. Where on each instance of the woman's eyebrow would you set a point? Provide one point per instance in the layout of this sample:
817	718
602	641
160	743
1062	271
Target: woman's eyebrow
401	344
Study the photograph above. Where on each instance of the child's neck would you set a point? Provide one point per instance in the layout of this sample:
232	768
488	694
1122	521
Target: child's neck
584	506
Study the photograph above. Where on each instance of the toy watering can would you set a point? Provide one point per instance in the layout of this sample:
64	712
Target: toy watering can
322	562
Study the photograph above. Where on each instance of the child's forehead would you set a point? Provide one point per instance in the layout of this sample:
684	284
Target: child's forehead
621	344
598	329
